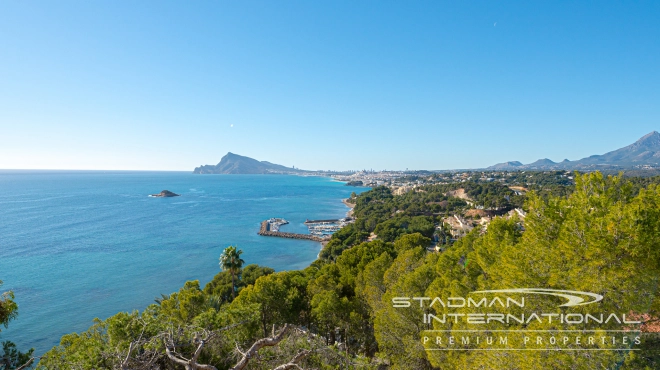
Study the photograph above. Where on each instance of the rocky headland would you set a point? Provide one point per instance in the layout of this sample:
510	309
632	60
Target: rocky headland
237	164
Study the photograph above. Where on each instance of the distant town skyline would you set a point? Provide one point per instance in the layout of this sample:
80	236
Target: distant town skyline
323	85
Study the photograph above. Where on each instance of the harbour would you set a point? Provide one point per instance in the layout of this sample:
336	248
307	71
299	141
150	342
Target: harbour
327	227
271	226
319	230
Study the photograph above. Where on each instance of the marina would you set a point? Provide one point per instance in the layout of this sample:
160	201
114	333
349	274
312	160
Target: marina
271	227
319	230
327	227
275	223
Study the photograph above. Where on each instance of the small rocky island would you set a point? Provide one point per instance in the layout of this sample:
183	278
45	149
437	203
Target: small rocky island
165	194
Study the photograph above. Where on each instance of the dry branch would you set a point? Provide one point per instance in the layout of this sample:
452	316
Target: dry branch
261	343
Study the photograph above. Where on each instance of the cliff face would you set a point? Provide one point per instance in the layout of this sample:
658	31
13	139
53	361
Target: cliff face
237	164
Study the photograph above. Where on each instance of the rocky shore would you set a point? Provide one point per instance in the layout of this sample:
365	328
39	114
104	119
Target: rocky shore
349	205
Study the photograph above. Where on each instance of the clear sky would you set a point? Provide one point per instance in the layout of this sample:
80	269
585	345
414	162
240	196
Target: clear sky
336	85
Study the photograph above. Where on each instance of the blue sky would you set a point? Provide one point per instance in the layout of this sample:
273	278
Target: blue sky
167	85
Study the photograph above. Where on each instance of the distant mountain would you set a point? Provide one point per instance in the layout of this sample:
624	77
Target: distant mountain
541	163
237	164
505	165
643	152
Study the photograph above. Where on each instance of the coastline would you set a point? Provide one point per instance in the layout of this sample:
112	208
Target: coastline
350	206
155	231
348	214
347	204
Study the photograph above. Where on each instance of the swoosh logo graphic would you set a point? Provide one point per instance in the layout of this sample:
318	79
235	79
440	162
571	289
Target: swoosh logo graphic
575	298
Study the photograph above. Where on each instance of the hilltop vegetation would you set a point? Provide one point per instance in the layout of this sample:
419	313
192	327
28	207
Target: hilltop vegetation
600	236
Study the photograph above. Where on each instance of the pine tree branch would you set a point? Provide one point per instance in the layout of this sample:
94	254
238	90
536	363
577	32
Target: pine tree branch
293	364
26	365
264	342
124	364
176	358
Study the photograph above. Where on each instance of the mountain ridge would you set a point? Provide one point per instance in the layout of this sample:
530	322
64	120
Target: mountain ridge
640	154
643	152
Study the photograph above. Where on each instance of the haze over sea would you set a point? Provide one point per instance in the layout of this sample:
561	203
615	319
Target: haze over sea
75	245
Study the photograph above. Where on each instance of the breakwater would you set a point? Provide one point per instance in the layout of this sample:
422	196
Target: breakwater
265	230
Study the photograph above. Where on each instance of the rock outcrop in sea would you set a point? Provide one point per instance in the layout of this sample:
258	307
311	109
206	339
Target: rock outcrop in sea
165	194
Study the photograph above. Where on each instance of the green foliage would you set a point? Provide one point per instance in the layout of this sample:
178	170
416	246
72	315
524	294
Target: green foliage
230	260
11	358
342	240
180	308
8	308
600	239
354	260
182	317
411	241
83	351
390	217
281	298
221	285
398	226
399	331
251	273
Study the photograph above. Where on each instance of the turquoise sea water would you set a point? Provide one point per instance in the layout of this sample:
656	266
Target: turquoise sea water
79	245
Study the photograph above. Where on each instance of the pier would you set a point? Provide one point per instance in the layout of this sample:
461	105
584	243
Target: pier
271	228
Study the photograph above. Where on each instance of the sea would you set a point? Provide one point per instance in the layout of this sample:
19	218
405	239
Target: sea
79	245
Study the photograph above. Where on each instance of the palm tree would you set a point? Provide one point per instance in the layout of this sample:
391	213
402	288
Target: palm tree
230	260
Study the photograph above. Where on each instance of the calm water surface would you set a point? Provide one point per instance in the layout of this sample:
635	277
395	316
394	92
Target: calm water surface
79	245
